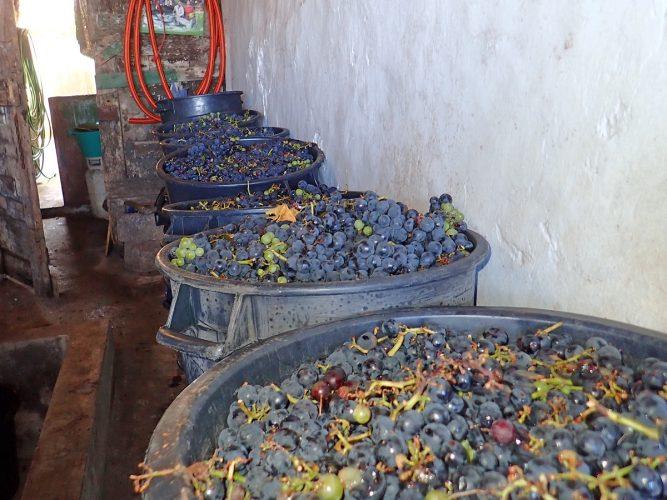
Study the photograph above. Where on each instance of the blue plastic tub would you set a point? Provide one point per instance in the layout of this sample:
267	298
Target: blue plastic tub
182	108
187	431
182	190
210	318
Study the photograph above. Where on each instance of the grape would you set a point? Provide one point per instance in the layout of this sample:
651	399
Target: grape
371	440
334	377
503	431
237	163
331	240
329	487
362	414
436	495
320	391
350	477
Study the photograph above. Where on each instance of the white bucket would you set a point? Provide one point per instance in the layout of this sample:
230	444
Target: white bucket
96	191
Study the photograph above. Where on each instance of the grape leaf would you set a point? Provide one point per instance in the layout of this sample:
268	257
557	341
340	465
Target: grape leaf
282	213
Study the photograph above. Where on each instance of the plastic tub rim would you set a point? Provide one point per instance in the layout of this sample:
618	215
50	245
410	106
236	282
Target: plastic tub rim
187	97
477	259
316	164
174	208
176	420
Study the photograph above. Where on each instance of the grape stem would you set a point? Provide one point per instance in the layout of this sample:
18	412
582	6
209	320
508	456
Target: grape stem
549	329
354	345
617	418
401	336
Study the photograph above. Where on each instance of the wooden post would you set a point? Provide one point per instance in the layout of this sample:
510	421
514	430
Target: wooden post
22	243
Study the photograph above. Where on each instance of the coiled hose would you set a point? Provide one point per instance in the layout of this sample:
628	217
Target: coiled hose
132	52
37	116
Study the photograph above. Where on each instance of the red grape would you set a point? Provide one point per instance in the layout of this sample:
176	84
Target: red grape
335	377
320	391
503	431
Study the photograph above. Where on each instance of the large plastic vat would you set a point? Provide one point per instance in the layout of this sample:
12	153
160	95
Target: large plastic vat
182	108
182	190
166	130
175	143
210	318
188	429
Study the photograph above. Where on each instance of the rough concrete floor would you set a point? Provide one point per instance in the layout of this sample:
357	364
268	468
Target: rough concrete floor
92	286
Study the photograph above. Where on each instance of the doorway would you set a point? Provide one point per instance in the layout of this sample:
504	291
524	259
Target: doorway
61	70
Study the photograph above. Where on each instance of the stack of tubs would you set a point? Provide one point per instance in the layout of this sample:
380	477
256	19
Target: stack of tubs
211	318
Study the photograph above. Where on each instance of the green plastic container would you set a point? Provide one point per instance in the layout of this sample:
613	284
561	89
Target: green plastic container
89	141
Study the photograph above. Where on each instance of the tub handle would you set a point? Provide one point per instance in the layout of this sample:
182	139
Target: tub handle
190	345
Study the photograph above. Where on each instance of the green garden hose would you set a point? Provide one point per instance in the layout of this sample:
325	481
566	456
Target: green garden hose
37	116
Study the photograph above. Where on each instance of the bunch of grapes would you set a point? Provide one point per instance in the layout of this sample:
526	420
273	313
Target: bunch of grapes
206	137
425	412
230	123
336	239
230	162
189	249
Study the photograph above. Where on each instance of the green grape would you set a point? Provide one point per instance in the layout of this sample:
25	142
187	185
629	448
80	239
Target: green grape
350	477
329	487
447	207
267	238
361	414
358	224
268	255
184	242
180	253
180	262
174	262
299	192
368	230
436	495
273	268
190	255
451	232
282	280
199	251
261	272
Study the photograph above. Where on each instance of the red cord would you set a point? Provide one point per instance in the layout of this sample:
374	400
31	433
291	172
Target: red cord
156	51
126	60
132	50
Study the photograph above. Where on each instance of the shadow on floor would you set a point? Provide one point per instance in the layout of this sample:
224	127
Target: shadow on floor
92	286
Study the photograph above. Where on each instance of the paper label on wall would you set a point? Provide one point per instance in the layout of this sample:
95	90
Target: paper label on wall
176	17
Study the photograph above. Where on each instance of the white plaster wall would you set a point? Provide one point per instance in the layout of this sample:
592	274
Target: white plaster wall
547	122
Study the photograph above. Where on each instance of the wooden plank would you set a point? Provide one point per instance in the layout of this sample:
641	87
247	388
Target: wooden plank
111	134
118	80
71	163
21	239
